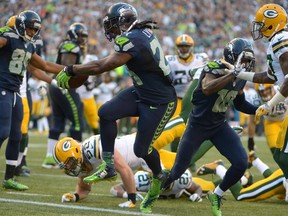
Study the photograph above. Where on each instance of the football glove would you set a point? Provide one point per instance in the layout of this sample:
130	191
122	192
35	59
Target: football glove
238	67
68	197
63	79
262	110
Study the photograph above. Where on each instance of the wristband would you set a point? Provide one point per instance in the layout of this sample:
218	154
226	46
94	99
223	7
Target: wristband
77	197
246	76
69	70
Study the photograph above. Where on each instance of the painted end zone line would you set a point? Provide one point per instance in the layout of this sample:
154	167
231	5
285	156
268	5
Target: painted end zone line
76	207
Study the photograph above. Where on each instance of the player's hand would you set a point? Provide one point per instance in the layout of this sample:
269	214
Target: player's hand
63	79
68	197
195	198
238	67
262	110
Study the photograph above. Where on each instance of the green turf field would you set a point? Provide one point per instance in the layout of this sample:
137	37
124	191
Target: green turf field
47	186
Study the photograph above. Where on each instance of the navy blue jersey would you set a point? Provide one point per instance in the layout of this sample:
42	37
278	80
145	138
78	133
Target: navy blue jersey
209	111
148	68
14	58
69	47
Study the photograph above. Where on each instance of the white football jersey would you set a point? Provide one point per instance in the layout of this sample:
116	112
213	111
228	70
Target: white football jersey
277	113
92	152
277	46
178	187
180	71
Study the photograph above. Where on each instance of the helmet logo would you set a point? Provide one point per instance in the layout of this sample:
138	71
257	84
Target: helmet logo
66	146
270	13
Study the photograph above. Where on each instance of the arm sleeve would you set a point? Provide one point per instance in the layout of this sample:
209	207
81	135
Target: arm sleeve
244	106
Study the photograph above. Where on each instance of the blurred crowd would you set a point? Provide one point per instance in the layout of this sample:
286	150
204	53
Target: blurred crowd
211	23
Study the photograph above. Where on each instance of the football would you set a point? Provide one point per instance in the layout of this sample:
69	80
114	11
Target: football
77	81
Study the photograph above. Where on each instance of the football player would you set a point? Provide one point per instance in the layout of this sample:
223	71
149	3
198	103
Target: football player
16	52
271	24
86	156
152	97
217	88
181	64
67	105
273	120
87	97
182	186
22	168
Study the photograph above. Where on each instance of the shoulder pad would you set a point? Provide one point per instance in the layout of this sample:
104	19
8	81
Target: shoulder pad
4	29
123	43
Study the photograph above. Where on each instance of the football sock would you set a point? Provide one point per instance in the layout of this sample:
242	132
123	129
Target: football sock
221	171
50	146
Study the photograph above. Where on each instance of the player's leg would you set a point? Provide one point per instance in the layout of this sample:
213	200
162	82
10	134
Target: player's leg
91	114
13	145
24	140
174	129
58	103
151	123
271	130
122	105
74	113
265	188
281	152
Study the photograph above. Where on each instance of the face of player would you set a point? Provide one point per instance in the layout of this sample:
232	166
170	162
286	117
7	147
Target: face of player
31	31
267	93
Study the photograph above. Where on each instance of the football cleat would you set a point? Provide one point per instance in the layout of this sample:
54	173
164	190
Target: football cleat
103	173
22	171
49	163
251	157
249	177
216	203
152	195
12	184
127	204
209	168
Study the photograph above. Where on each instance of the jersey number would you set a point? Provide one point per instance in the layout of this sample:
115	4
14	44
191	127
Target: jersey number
222	102
19	61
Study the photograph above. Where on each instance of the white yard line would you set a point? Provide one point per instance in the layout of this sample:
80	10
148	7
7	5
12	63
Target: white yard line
76	207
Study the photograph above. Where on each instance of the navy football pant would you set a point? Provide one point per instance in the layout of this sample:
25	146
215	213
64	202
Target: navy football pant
152	120
11	116
224	139
65	107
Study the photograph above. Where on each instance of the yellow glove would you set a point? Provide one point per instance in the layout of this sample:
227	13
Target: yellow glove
262	110
69	197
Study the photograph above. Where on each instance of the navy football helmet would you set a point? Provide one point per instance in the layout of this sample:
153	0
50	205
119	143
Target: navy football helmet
235	47
28	19
121	17
78	33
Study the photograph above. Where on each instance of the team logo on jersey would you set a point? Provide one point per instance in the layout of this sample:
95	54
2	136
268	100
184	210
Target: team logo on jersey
66	146
270	13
